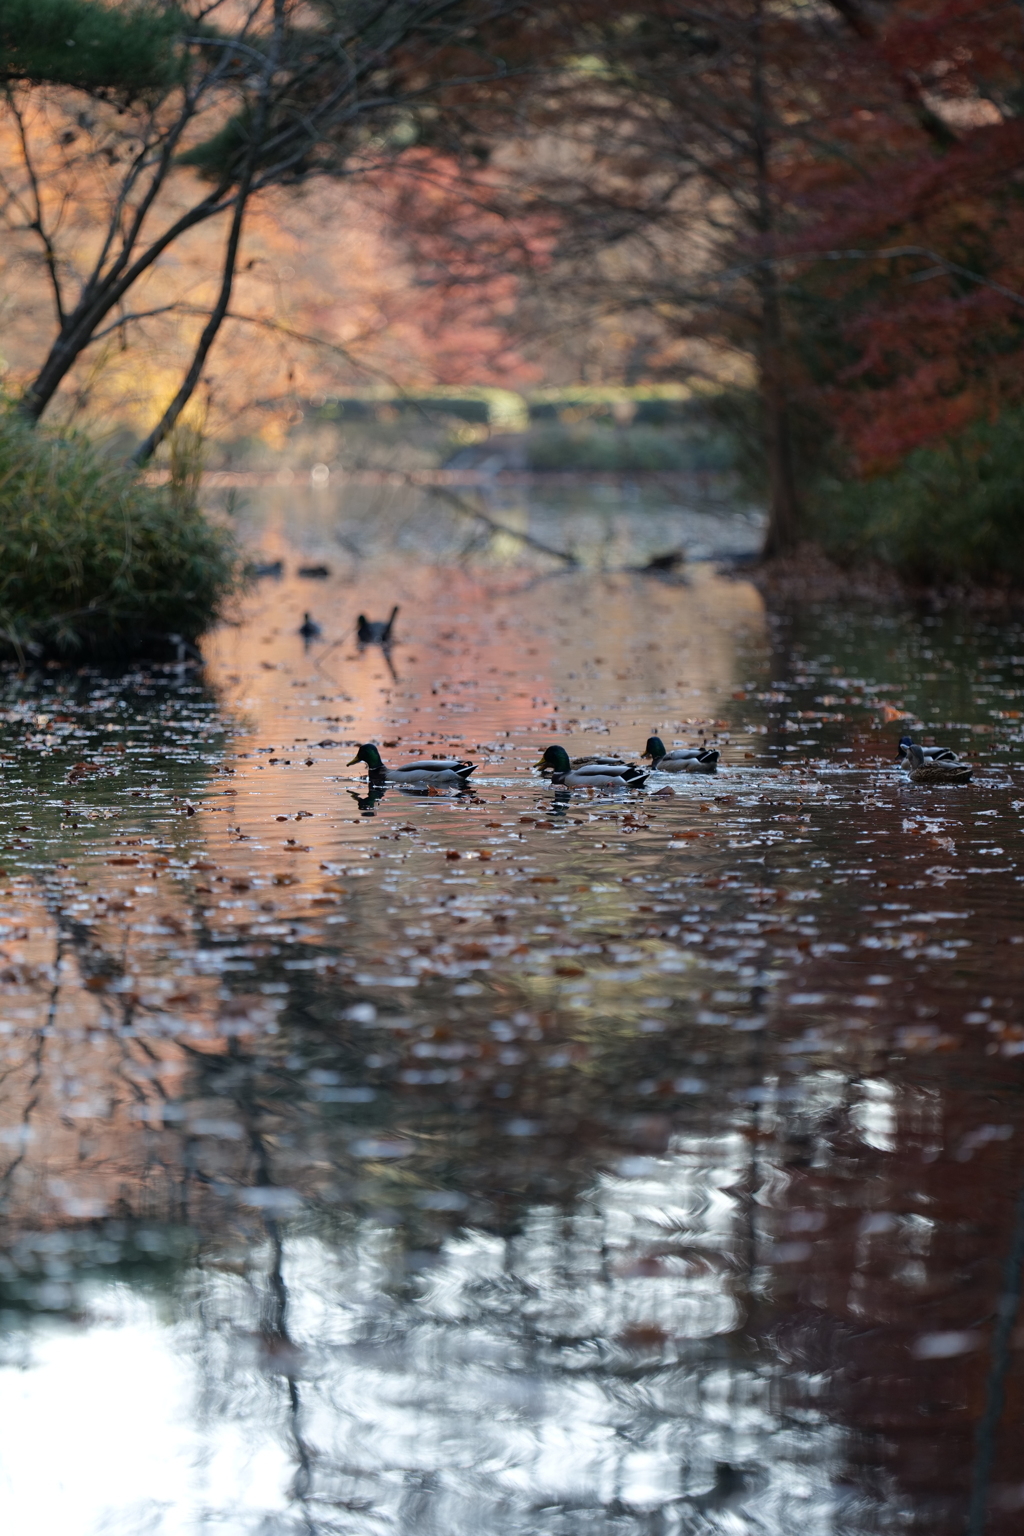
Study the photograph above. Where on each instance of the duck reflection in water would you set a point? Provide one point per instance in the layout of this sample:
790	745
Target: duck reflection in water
368	803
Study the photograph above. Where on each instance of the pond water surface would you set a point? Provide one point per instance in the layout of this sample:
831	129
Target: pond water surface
519	1161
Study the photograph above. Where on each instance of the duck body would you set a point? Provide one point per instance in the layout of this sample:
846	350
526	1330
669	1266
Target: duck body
591	773
375	631
929	754
923	770
435	772
682	760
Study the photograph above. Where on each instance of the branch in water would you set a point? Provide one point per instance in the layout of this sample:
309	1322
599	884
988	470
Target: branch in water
469	510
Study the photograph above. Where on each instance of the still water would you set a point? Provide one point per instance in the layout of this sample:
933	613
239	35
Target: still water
521	1161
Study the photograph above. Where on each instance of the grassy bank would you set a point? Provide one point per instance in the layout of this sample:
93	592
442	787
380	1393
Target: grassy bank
96	564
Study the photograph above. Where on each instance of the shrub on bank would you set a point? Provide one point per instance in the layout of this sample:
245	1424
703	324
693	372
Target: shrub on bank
948	513
94	563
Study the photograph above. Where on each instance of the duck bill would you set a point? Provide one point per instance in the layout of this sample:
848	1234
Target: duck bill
352	762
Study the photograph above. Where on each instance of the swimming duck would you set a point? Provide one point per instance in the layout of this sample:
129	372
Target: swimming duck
440	771
923	770
551	762
309	629
930	754
375	631
609	773
682	760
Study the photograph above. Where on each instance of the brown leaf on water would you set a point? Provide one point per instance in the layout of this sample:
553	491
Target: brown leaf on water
473	951
543	879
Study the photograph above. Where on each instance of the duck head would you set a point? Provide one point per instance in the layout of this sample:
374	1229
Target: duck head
368	754
655	749
555	758
906	742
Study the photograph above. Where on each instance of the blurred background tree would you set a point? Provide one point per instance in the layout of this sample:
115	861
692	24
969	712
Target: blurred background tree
808	214
108	169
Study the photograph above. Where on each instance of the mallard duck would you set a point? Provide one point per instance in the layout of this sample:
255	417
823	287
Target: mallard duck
923	770
597	774
552	761
375	631
930	754
439	771
682	760
309	629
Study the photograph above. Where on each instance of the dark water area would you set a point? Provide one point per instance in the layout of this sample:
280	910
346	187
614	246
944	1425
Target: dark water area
520	1161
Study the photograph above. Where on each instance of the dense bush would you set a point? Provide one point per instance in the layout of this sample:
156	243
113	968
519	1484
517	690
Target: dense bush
948	513
92	561
125	48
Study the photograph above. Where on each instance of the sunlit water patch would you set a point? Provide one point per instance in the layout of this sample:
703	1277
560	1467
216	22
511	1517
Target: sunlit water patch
522	1160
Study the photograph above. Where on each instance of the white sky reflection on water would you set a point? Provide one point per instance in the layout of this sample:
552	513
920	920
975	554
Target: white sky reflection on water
140	1425
101	1435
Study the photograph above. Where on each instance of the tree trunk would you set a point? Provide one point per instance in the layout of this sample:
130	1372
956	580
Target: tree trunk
784	513
96	304
782	533
166	424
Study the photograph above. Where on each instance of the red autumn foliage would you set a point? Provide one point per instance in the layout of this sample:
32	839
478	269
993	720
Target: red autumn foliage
932	158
